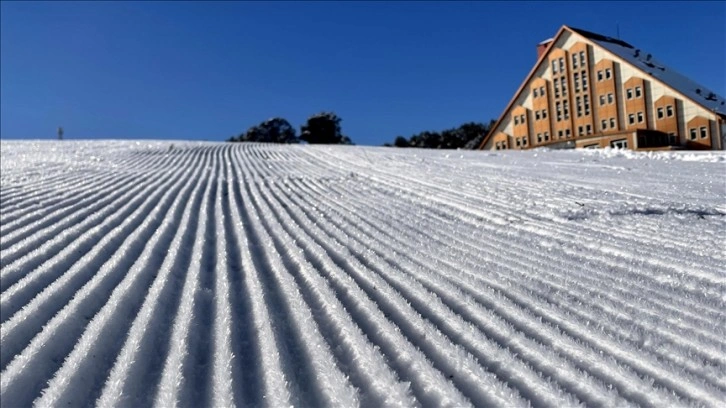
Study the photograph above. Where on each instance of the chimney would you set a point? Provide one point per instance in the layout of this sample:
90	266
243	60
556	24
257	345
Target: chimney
541	47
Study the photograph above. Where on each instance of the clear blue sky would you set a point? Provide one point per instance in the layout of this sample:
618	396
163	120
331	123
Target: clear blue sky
207	71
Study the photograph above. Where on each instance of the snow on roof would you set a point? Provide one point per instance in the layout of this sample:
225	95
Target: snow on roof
547	41
656	69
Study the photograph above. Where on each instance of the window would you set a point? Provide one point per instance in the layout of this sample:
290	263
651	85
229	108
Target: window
566	109
693	133
583	75
582	58
534	93
554	66
704	134
608	73
546	136
577	82
599	76
567	133
612	123
574	61
521	119
541	90
638	93
579	131
578	106
602	100
539	137
557	89
563	82
544	113
516	120
610	99
669	110
560	134
640	117
603	124
536	115
561	61
524	141
518	142
559	111
589	129
629	93
660	113
586	99
619	144
631	119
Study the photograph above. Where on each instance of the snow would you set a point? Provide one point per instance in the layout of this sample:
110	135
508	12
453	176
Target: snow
137	273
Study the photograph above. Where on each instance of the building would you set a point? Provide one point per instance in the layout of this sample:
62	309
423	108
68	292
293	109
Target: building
588	90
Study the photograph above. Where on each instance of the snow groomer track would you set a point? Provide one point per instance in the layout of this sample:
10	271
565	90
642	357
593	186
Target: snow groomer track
211	274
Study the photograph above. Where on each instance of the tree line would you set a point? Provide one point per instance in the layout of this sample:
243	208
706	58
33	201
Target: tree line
467	136
324	128
321	128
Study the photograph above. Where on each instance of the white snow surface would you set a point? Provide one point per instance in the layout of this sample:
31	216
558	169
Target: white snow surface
139	273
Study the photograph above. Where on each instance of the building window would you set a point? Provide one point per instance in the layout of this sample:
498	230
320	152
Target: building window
693	133
638	93
603	124
563	82
577	82
539	137
559	134
704	134
562	64
612	123
541	90
521	119
660	113
524	141
544	113
516	120
640	117
610	99
547	136
599	76
554	66
574	61
519	143
589	129
578	106
629	93
586	99
608	73
557	89
534	93
602	100
536	115
620	144
566	109
583	75
559	111
582	58
567	133
669	110
672	138
631	119
579	131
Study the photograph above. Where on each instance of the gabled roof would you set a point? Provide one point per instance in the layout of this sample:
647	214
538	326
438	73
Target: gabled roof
656	69
640	60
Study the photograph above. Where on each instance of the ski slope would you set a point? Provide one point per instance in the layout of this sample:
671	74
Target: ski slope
211	274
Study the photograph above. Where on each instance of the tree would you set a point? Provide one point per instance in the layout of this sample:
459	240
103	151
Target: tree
275	130
400	142
323	128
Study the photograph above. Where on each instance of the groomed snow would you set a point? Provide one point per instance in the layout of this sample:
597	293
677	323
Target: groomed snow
137	273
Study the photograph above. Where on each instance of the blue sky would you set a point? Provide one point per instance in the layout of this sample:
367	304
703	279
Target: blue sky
207	71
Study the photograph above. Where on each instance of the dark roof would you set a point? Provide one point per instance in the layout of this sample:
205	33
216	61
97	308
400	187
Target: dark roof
656	69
